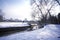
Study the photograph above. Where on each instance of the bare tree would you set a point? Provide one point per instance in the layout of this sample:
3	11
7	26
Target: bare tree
43	8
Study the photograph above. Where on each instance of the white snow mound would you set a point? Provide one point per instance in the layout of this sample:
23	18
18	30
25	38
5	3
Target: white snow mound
49	32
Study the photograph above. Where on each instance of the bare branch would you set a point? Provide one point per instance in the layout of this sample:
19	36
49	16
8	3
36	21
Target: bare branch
39	9
44	7
58	1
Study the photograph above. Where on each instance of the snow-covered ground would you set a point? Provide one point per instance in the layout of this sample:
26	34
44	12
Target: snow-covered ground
13	24
49	32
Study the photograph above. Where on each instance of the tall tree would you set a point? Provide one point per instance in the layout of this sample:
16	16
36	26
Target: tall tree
43	8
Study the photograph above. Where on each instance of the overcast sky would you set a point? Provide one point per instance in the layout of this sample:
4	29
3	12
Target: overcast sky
20	9
16	9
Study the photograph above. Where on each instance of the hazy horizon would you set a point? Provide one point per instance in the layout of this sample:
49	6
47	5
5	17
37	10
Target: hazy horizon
16	9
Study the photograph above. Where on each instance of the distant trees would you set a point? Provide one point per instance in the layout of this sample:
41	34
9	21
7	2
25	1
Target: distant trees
59	18
53	20
1	16
12	20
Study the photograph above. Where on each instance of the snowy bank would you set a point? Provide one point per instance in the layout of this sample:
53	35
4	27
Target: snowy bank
49	32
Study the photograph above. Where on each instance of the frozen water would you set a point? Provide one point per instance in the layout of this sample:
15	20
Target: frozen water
49	32
13	24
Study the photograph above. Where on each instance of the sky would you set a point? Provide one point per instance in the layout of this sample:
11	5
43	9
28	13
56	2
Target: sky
20	9
16	9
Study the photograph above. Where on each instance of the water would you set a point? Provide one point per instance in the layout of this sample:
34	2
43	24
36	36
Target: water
13	24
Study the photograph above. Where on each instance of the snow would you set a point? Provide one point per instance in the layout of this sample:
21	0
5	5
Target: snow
49	32
13	24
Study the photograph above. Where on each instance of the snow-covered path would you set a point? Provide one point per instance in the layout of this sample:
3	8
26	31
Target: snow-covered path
49	32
